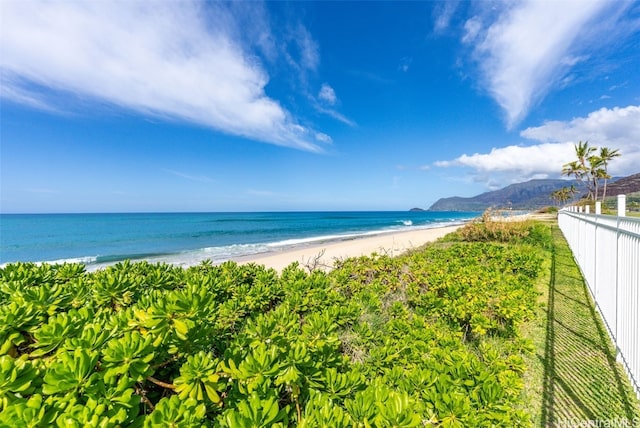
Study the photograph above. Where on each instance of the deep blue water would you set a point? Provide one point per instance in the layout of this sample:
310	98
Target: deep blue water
188	238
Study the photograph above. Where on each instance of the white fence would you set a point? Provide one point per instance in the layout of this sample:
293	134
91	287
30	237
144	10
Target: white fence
607	249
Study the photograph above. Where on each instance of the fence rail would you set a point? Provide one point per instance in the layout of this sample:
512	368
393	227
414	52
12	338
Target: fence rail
607	250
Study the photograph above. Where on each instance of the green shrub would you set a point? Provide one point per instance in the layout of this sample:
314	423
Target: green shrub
429	338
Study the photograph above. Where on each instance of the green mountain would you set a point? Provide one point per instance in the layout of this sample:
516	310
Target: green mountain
531	194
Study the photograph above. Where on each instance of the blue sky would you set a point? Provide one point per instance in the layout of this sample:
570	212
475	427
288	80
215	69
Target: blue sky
249	106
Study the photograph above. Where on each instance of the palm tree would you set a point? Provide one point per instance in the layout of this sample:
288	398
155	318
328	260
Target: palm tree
606	155
564	194
596	172
583	152
577	170
590	168
557	196
572	191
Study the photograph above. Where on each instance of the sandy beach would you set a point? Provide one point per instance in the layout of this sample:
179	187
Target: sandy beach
324	255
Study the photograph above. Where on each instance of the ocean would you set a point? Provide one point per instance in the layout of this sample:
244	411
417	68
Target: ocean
187	239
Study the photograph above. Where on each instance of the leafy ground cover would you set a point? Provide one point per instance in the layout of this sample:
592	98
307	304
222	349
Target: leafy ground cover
428	338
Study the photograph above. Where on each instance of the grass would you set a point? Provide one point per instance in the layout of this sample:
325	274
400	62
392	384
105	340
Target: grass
573	377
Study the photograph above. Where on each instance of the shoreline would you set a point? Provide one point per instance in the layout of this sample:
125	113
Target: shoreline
187	239
324	255
322	251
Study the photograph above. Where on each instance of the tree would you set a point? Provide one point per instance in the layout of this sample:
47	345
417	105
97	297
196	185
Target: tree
558	196
590	168
583	152
574	168
595	172
606	155
563	195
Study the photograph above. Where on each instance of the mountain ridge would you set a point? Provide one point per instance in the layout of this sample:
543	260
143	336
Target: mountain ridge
529	195
624	186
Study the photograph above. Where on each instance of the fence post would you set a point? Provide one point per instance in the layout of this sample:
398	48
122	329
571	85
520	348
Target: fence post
598	208
622	205
587	208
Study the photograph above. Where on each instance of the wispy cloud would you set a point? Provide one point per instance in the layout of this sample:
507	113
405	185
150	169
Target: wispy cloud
325	104
191	177
527	50
472	28
616	128
327	94
443	13
309	56
25	97
300	51
336	115
173	60
324	138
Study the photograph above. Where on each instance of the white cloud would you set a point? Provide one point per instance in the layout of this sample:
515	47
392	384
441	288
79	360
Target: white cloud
327	98
336	115
168	59
308	48
530	47
523	162
327	94
323	138
471	29
617	128
444	12
24	97
301	51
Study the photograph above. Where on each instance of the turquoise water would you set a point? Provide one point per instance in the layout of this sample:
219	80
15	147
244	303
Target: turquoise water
188	238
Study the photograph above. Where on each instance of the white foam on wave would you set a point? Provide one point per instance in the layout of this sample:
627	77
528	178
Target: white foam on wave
230	252
234	250
87	260
84	260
